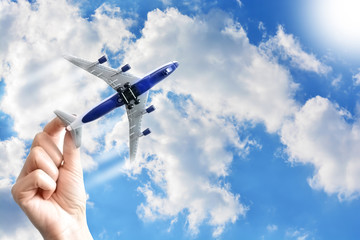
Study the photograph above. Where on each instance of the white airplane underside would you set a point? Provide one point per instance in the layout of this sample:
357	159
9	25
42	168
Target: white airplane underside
131	91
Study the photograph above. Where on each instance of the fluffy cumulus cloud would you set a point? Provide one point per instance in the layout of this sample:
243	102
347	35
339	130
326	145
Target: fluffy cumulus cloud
219	68
12	216
286	46
187	162
12	153
222	82
37	80
326	136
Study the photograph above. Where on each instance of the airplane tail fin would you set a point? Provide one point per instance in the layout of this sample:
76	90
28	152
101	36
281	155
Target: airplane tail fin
67	119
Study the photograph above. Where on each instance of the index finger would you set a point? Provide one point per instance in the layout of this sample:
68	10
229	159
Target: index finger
54	128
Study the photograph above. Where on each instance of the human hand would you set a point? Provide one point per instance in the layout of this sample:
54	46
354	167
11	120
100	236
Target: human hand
50	188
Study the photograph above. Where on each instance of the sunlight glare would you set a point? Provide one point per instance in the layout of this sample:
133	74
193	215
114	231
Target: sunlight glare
338	22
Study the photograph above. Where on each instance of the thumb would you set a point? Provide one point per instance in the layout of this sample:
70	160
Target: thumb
71	154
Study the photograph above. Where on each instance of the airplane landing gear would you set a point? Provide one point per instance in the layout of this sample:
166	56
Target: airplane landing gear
130	106
128	96
127	85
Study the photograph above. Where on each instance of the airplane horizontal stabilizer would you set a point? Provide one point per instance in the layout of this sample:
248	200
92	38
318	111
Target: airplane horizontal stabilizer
67	119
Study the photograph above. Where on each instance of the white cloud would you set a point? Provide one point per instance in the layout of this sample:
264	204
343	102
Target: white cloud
25	232
188	160
221	76
320	134
223	82
12	153
166	2
262	29
298	234
108	19
261	26
13	222
239	3
172	224
336	81
37	81
14	225
272	228
288	47
219	68
356	79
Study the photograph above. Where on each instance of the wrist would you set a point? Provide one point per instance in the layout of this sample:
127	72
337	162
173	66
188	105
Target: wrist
74	233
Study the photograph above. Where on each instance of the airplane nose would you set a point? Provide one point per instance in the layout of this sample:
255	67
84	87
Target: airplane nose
176	64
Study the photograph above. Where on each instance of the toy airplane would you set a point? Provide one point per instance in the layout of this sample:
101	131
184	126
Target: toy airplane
131	91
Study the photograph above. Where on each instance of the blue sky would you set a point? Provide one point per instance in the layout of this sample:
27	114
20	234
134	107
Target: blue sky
255	135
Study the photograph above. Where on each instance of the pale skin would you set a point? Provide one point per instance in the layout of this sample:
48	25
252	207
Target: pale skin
50	188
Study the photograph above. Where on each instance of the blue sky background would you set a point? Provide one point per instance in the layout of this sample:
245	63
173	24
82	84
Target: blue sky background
258	130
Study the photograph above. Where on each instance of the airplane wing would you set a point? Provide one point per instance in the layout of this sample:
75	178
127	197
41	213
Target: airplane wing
115	78
135	116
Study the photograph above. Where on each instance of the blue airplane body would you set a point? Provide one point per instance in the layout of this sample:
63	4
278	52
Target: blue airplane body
130	91
138	88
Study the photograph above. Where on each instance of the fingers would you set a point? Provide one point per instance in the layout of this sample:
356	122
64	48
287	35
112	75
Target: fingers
71	154
27	187
54	129
39	159
44	160
44	155
44	141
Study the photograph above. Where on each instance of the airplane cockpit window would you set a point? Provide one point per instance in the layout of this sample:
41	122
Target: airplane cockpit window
167	71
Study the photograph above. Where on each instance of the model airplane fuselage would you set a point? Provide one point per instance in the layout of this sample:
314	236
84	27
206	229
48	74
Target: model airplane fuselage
131	91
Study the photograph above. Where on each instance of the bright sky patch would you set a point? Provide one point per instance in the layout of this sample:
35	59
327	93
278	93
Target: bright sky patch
255	136
336	24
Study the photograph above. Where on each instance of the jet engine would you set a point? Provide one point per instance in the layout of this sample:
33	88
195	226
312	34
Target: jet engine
125	68
150	109
146	132
102	59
